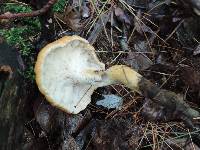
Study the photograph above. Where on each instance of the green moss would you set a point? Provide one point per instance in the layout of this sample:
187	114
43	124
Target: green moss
22	30
29	72
14	7
20	33
15	37
59	6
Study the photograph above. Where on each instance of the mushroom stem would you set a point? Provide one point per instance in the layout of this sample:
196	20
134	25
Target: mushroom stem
122	74
125	75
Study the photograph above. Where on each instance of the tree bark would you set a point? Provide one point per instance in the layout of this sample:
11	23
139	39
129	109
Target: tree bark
12	100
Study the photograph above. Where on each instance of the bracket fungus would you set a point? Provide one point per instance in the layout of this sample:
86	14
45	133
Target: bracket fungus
68	71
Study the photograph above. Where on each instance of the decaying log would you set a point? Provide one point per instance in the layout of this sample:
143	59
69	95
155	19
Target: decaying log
12	100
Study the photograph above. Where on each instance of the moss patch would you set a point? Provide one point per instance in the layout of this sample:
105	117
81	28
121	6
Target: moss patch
20	34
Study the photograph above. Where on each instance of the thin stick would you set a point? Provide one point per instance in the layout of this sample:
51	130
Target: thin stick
41	11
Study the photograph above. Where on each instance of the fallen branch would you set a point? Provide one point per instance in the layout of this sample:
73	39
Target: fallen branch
41	11
170	100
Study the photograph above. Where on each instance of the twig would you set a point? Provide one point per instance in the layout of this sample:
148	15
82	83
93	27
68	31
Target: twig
180	23
41	11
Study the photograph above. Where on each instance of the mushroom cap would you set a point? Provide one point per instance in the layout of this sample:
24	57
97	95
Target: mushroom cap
65	73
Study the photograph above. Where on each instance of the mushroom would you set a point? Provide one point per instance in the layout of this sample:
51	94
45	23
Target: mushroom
68	71
65	73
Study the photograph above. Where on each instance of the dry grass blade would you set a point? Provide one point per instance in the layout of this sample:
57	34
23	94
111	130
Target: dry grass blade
180	23
139	21
103	19
98	15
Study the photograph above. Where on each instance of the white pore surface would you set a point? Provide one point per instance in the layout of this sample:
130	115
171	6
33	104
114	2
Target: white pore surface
64	79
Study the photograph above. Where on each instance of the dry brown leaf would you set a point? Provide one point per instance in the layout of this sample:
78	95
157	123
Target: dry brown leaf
121	16
140	27
138	61
73	19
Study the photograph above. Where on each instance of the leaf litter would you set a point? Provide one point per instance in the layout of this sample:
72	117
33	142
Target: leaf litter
157	44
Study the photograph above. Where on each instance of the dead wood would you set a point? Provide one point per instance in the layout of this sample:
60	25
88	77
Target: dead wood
12	100
170	100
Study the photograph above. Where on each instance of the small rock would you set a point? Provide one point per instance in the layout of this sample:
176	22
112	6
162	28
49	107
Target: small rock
111	101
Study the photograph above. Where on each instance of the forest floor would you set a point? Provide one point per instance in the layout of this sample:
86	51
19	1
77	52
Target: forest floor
160	39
